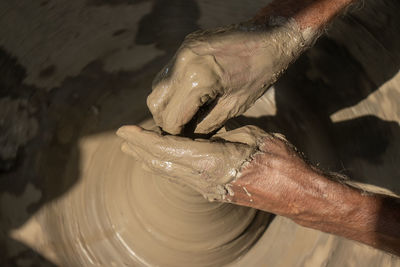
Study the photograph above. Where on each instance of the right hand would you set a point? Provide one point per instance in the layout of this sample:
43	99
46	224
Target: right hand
246	166
226	69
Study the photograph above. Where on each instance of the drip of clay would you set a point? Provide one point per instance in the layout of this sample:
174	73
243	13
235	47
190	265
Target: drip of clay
120	214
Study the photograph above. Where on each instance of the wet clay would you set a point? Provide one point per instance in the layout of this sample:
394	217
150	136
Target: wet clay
207	166
120	213
94	205
220	73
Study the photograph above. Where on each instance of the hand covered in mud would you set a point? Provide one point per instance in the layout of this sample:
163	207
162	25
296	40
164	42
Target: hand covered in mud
218	74
204	165
246	166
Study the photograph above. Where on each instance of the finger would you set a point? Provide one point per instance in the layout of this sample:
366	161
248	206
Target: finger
170	147
129	150
158	165
139	137
166	87
166	169
162	91
224	109
249	135
158	100
218	160
197	84
181	109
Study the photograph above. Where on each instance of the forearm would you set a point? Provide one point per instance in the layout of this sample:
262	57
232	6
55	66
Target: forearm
315	14
318	202
358	215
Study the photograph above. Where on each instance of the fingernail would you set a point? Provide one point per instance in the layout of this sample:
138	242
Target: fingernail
128	149
127	130
121	132
125	147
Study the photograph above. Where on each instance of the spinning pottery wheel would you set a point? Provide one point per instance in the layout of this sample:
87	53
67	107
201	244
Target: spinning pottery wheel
89	71
120	214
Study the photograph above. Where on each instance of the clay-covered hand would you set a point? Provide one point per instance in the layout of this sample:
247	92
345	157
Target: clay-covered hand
218	74
237	166
204	165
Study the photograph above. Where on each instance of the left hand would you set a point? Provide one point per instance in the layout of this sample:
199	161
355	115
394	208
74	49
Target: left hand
246	166
204	165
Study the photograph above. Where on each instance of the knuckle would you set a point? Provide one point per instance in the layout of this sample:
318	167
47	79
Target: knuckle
159	98
154	107
184	55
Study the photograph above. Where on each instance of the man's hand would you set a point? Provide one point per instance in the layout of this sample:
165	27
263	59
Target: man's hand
218	74
221	168
205	165
249	167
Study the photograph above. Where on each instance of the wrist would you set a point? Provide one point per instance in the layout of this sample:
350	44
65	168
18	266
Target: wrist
307	13
335	207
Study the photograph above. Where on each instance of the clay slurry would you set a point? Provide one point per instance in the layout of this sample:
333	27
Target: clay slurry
132	215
